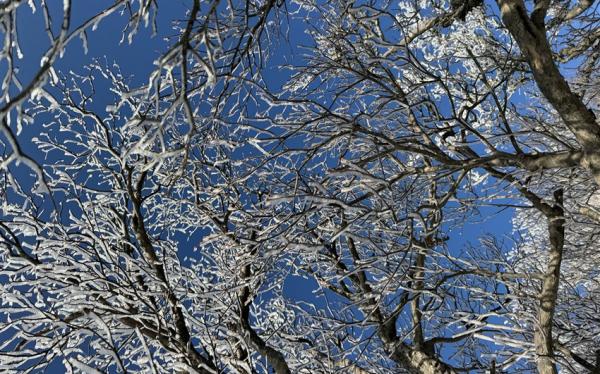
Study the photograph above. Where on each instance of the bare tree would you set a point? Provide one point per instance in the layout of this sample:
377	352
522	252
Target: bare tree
162	234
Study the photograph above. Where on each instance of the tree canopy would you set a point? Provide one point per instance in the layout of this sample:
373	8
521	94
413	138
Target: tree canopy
283	189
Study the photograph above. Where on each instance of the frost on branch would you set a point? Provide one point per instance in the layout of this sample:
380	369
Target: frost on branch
238	210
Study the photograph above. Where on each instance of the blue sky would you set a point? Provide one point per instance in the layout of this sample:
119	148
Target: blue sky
136	60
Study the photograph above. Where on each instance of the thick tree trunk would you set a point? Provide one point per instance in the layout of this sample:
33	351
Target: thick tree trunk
419	362
530	35
543	334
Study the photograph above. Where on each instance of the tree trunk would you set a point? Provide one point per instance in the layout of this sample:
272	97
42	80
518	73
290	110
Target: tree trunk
530	35
543	333
419	362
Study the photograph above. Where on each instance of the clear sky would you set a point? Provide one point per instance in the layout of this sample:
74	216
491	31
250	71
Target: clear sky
136	60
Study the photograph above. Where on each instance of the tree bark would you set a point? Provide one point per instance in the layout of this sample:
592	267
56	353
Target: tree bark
419	362
530	35
543	334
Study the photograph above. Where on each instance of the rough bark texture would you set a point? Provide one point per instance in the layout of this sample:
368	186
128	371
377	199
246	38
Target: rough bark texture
543	334
419	362
530	35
